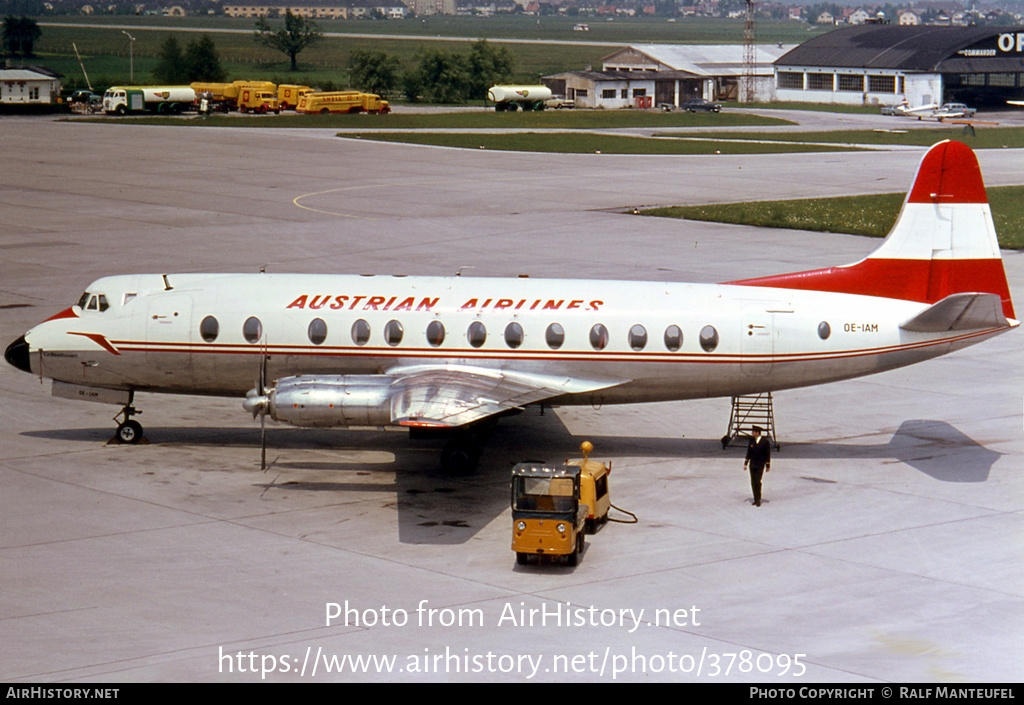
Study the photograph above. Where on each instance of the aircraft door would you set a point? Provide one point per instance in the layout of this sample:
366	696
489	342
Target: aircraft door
757	344
168	340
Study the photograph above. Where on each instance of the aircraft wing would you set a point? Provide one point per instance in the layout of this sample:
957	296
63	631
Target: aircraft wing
455	395
960	312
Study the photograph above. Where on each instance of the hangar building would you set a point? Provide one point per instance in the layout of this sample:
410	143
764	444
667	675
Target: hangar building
887	64
646	75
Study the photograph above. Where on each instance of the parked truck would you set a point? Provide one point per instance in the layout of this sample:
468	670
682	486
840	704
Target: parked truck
257	97
219	97
514	98
288	95
342	102
166	100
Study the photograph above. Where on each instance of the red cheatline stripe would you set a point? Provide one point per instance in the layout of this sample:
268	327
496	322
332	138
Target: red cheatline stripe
567	356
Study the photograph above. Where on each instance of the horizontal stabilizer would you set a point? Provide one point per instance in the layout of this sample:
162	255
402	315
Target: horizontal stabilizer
960	312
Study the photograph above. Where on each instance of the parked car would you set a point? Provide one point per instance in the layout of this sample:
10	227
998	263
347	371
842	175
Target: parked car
84	96
701	105
557	103
957	109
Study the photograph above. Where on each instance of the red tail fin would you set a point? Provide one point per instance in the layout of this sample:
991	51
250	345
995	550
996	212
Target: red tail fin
943	242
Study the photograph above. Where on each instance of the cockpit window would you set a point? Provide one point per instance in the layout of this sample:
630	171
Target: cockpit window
93	302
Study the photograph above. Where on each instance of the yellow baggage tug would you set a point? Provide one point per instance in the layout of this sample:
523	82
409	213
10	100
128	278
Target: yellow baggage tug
548	518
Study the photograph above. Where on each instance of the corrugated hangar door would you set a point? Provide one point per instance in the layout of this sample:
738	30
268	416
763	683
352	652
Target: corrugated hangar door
665	92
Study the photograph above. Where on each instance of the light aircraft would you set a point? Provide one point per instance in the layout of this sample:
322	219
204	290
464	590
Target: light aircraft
905	109
943	113
457	353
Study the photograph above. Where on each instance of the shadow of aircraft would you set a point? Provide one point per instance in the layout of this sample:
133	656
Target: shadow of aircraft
435	508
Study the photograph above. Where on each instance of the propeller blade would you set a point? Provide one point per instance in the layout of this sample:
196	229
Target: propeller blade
263	440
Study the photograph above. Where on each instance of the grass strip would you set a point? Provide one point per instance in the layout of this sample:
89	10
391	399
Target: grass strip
872	216
587	143
983	137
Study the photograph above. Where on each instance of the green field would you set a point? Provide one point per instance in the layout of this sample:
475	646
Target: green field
105	49
873	216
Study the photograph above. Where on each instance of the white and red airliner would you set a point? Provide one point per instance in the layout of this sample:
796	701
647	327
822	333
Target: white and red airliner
459	352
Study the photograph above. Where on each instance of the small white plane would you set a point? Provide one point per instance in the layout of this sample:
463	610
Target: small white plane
905	109
457	353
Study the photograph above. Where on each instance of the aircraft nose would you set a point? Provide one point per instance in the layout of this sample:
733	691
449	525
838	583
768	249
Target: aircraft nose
17	354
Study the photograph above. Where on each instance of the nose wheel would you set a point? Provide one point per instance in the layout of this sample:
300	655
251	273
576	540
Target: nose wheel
128	430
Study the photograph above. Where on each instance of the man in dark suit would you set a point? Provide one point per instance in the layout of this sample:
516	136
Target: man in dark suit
759	459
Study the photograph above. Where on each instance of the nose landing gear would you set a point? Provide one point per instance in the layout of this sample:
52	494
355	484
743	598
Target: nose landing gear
128	431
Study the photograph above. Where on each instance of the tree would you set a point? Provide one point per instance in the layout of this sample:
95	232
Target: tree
199	62
440	77
20	35
487	66
202	62
170	66
374	71
297	34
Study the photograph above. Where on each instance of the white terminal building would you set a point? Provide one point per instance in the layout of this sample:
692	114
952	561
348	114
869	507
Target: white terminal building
648	75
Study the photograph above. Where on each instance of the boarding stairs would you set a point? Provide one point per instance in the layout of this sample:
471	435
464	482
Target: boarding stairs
751	410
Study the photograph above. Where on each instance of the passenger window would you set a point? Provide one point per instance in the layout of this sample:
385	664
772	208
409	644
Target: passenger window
360	332
638	337
598	337
435	333
824	330
317	331
252	329
393	333
673	338
477	334
209	329
708	338
555	336
513	335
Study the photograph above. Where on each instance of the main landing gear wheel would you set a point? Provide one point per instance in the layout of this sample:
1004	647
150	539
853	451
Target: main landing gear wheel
460	456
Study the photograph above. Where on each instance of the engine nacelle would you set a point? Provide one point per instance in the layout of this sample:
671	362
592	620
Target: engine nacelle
325	400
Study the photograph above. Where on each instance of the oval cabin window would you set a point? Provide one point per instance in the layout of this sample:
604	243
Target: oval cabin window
209	329
317	331
360	332
252	329
555	336
435	333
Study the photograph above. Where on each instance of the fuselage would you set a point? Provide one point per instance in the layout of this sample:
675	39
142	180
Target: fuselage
211	333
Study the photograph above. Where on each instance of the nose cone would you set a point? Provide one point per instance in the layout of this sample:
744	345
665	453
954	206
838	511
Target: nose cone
17	354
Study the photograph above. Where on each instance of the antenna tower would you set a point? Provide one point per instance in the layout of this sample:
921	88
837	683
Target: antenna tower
749	55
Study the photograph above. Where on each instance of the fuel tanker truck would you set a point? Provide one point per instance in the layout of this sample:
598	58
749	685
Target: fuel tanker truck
518	97
167	100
